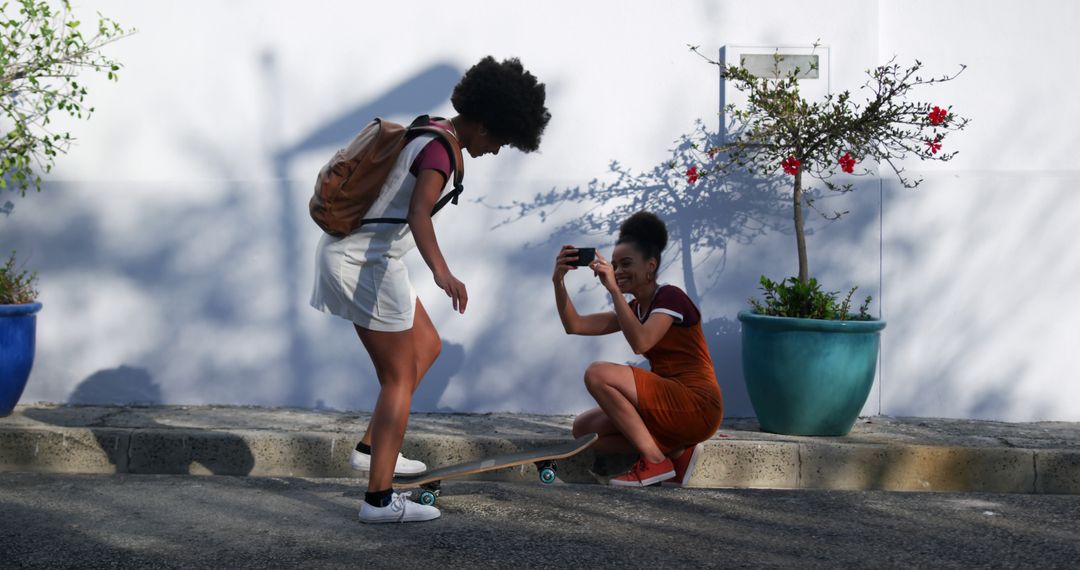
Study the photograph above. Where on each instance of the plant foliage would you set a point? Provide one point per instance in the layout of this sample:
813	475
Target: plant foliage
795	298
16	285
43	51
781	131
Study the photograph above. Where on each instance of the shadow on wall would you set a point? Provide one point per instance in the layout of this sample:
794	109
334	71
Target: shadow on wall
431	389
967	266
121	386
725	346
416	95
190	288
703	218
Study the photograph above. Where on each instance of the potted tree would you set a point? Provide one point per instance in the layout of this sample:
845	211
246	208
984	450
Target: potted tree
808	358
18	323
42	52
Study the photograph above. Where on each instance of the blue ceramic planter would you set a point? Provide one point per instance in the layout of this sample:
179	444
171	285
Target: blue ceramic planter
18	324
808	376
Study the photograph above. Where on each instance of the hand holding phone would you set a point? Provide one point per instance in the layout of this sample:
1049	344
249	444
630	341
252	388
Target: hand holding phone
585	256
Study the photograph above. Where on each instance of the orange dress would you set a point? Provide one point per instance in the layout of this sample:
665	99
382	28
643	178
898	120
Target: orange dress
679	399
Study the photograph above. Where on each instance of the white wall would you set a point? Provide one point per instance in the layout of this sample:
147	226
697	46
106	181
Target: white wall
979	265
175	250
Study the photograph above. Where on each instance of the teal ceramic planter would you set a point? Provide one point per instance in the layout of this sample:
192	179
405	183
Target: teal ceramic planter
808	376
18	327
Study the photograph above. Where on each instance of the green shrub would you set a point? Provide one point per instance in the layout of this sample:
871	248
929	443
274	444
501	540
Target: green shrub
805	300
16	285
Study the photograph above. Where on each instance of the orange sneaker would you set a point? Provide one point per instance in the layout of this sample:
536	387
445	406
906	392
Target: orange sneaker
684	466
643	474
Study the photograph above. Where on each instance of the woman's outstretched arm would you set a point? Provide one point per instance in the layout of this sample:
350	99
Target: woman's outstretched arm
428	186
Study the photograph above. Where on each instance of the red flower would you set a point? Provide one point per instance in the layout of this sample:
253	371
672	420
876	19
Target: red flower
691	175
791	165
937	115
933	146
847	163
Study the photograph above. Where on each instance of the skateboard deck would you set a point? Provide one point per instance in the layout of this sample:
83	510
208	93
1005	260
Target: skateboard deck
544	458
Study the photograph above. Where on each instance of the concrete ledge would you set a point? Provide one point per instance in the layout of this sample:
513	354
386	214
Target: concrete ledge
750	464
64	450
1057	471
916	468
914	454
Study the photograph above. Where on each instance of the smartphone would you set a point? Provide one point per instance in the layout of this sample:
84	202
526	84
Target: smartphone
586	255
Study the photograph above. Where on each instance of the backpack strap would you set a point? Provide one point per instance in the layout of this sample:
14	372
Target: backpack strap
422	124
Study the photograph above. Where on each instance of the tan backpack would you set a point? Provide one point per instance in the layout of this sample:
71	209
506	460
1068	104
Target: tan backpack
350	183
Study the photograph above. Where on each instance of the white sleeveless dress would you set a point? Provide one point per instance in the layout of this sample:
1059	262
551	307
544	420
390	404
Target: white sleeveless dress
361	277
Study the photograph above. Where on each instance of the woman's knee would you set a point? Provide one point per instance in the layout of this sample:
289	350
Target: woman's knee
427	338
600	374
428	343
397	373
428	351
435	347
595	374
398	379
579	428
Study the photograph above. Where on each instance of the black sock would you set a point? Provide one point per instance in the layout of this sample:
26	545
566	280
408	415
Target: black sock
363	448
379	498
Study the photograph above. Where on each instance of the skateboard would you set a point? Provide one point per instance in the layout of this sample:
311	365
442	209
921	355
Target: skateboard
430	481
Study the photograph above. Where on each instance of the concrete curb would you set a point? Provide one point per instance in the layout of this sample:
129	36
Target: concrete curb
150	440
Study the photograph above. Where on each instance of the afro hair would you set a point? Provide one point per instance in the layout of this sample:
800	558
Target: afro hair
506	99
647	232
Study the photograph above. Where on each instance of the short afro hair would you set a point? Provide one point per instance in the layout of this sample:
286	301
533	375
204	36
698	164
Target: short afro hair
507	100
647	232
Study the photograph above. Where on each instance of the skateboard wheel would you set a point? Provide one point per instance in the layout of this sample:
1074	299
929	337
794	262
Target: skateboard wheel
547	475
427	498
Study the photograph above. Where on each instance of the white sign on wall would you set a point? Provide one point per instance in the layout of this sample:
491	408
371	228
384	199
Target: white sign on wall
812	63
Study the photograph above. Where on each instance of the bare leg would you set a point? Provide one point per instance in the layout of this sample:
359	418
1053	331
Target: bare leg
612	386
427	344
611	440
394	356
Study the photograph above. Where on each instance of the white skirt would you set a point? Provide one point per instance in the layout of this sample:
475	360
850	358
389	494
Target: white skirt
355	283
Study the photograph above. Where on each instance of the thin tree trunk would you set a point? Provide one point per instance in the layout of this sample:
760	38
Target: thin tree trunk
688	268
800	234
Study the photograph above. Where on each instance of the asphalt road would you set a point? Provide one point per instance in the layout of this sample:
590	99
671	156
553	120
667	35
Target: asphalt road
166	521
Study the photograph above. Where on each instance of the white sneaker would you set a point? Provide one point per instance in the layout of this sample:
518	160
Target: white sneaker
400	509
404	466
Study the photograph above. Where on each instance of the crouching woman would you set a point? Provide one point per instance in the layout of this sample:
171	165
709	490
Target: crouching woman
664	413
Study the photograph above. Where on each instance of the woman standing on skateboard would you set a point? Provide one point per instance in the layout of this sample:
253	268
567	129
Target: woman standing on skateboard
664	413
362	278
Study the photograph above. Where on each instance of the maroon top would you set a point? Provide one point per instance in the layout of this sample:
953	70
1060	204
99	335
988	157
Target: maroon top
671	300
434	156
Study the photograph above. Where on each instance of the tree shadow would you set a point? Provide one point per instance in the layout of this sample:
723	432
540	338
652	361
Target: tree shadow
957	340
223	281
417	95
704	219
